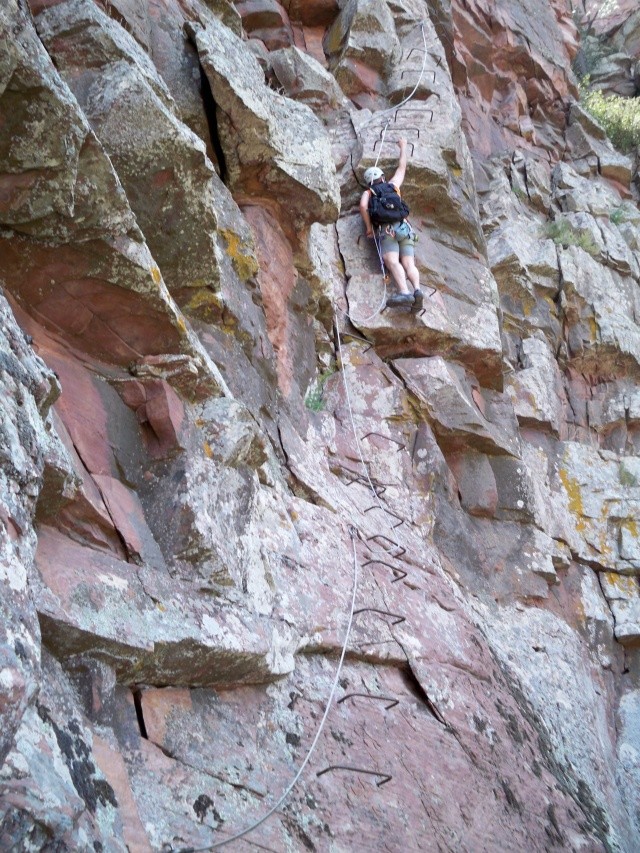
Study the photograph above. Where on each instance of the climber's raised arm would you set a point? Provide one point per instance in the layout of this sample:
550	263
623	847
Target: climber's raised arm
398	175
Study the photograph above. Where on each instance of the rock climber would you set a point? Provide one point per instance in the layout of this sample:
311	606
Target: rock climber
384	214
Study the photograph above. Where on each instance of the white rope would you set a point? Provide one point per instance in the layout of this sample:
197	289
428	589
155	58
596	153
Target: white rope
424	63
218	844
413	91
293	783
384	133
384	280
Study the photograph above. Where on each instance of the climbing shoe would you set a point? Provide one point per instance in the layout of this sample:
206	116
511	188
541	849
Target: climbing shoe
397	299
417	299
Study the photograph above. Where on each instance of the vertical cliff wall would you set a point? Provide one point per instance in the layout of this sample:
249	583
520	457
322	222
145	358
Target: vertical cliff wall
211	432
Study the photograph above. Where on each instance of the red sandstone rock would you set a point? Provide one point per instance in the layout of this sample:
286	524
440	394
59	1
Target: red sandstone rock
111	762
277	279
498	49
197	524
266	20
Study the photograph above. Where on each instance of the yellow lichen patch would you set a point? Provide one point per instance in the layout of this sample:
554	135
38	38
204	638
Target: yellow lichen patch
200	422
356	357
574	496
156	275
456	171
624	583
605	548
243	260
631	525
229	322
410	410
549	301
205	305
581	614
203	297
160	606
180	323
208	452
593	329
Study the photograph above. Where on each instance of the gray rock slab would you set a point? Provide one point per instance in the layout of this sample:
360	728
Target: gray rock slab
282	138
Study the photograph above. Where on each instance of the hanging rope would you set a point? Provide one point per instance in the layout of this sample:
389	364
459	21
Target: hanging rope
413	91
378	244
384	133
218	844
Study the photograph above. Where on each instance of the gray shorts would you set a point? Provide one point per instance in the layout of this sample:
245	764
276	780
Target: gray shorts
397	237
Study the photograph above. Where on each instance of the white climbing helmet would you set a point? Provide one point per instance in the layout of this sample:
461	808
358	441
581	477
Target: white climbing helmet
372	174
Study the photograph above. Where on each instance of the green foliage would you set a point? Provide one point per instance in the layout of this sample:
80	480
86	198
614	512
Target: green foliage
564	234
592	52
518	192
593	49
314	398
617	216
619	117
626	477
627	212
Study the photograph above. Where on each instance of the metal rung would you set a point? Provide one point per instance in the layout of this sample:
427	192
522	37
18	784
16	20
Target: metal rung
388	511
402	445
379	489
375	145
358	337
399	574
411	71
404	129
392	702
395	116
422	50
385	777
395	616
402	550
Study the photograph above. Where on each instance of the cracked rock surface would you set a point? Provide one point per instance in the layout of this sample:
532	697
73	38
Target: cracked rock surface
211	435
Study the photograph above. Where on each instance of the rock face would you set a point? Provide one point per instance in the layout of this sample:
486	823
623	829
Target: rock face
216	444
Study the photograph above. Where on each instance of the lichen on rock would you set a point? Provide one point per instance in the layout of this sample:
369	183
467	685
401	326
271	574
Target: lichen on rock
215	443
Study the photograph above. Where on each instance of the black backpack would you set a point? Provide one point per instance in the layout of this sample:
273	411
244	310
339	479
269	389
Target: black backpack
385	204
